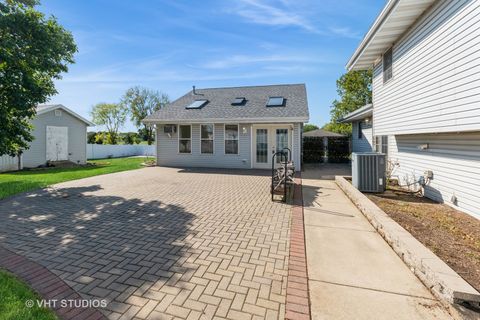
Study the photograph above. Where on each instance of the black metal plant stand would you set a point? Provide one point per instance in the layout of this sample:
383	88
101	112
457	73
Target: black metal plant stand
282	177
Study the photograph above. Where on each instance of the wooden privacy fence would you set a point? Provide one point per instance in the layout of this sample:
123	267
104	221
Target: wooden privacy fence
326	149
338	150
313	149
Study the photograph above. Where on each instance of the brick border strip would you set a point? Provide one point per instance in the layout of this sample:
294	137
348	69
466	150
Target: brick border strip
47	284
298	302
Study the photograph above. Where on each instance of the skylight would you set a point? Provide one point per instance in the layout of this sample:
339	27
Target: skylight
276	102
239	101
197	104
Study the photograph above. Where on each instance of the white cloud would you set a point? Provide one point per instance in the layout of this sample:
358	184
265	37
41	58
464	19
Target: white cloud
293	13
245	60
345	32
258	11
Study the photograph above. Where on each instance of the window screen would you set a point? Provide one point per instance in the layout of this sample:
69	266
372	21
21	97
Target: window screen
206	138
185	139
388	65
231	139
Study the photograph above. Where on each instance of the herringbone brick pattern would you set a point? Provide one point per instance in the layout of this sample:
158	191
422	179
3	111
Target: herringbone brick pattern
160	243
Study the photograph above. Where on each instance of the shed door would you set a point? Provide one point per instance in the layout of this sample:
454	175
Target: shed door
57	143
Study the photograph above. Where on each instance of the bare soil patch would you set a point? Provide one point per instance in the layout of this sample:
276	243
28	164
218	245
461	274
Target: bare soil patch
452	235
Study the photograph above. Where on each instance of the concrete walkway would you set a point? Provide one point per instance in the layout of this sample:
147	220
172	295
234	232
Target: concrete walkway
353	273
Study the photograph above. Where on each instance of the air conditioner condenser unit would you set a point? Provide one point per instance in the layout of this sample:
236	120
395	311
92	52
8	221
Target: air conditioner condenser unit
369	171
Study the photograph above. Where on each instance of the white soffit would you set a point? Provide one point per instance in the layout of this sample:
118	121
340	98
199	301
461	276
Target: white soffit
394	20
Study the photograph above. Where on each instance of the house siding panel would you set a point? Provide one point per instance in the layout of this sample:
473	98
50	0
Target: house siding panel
436	74
364	144
454	159
77	138
167	149
297	145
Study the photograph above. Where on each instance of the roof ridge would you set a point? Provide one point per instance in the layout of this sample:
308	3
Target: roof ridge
257	86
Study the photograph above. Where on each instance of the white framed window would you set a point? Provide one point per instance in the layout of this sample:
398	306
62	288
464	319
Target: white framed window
185	138
231	135
207	134
388	65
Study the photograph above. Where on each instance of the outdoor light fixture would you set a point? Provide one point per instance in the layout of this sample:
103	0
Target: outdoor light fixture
244	130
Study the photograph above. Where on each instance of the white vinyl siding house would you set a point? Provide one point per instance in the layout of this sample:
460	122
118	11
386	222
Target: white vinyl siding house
362	136
430	108
167	147
454	159
362	131
240	128
436	74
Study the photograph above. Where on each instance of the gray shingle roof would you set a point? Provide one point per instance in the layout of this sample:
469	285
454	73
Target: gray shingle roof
220	106
322	133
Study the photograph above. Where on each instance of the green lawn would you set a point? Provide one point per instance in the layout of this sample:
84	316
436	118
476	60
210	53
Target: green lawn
20	181
13	295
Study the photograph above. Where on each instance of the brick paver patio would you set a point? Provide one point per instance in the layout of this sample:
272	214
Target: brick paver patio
160	243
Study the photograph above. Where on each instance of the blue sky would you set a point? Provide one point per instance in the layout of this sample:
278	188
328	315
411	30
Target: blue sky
170	45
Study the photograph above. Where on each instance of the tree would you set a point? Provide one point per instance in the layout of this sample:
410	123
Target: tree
144	134
309	127
110	115
91	137
142	102
131	138
355	90
100	138
34	51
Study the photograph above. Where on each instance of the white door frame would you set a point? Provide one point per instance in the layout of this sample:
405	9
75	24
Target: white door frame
272	142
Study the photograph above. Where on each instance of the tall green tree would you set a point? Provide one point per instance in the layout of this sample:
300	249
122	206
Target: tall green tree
34	51
354	90
142	102
309	127
112	116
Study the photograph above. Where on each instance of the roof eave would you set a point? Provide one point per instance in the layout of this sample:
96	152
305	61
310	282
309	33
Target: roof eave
61	106
229	120
359	114
391	9
371	32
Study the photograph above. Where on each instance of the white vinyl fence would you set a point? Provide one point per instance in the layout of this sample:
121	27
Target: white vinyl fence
100	151
8	163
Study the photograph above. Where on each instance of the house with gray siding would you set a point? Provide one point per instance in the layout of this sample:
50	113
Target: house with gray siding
425	57
362	132
236	127
59	135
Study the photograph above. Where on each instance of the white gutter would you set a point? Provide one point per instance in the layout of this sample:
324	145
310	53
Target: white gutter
229	120
359	114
